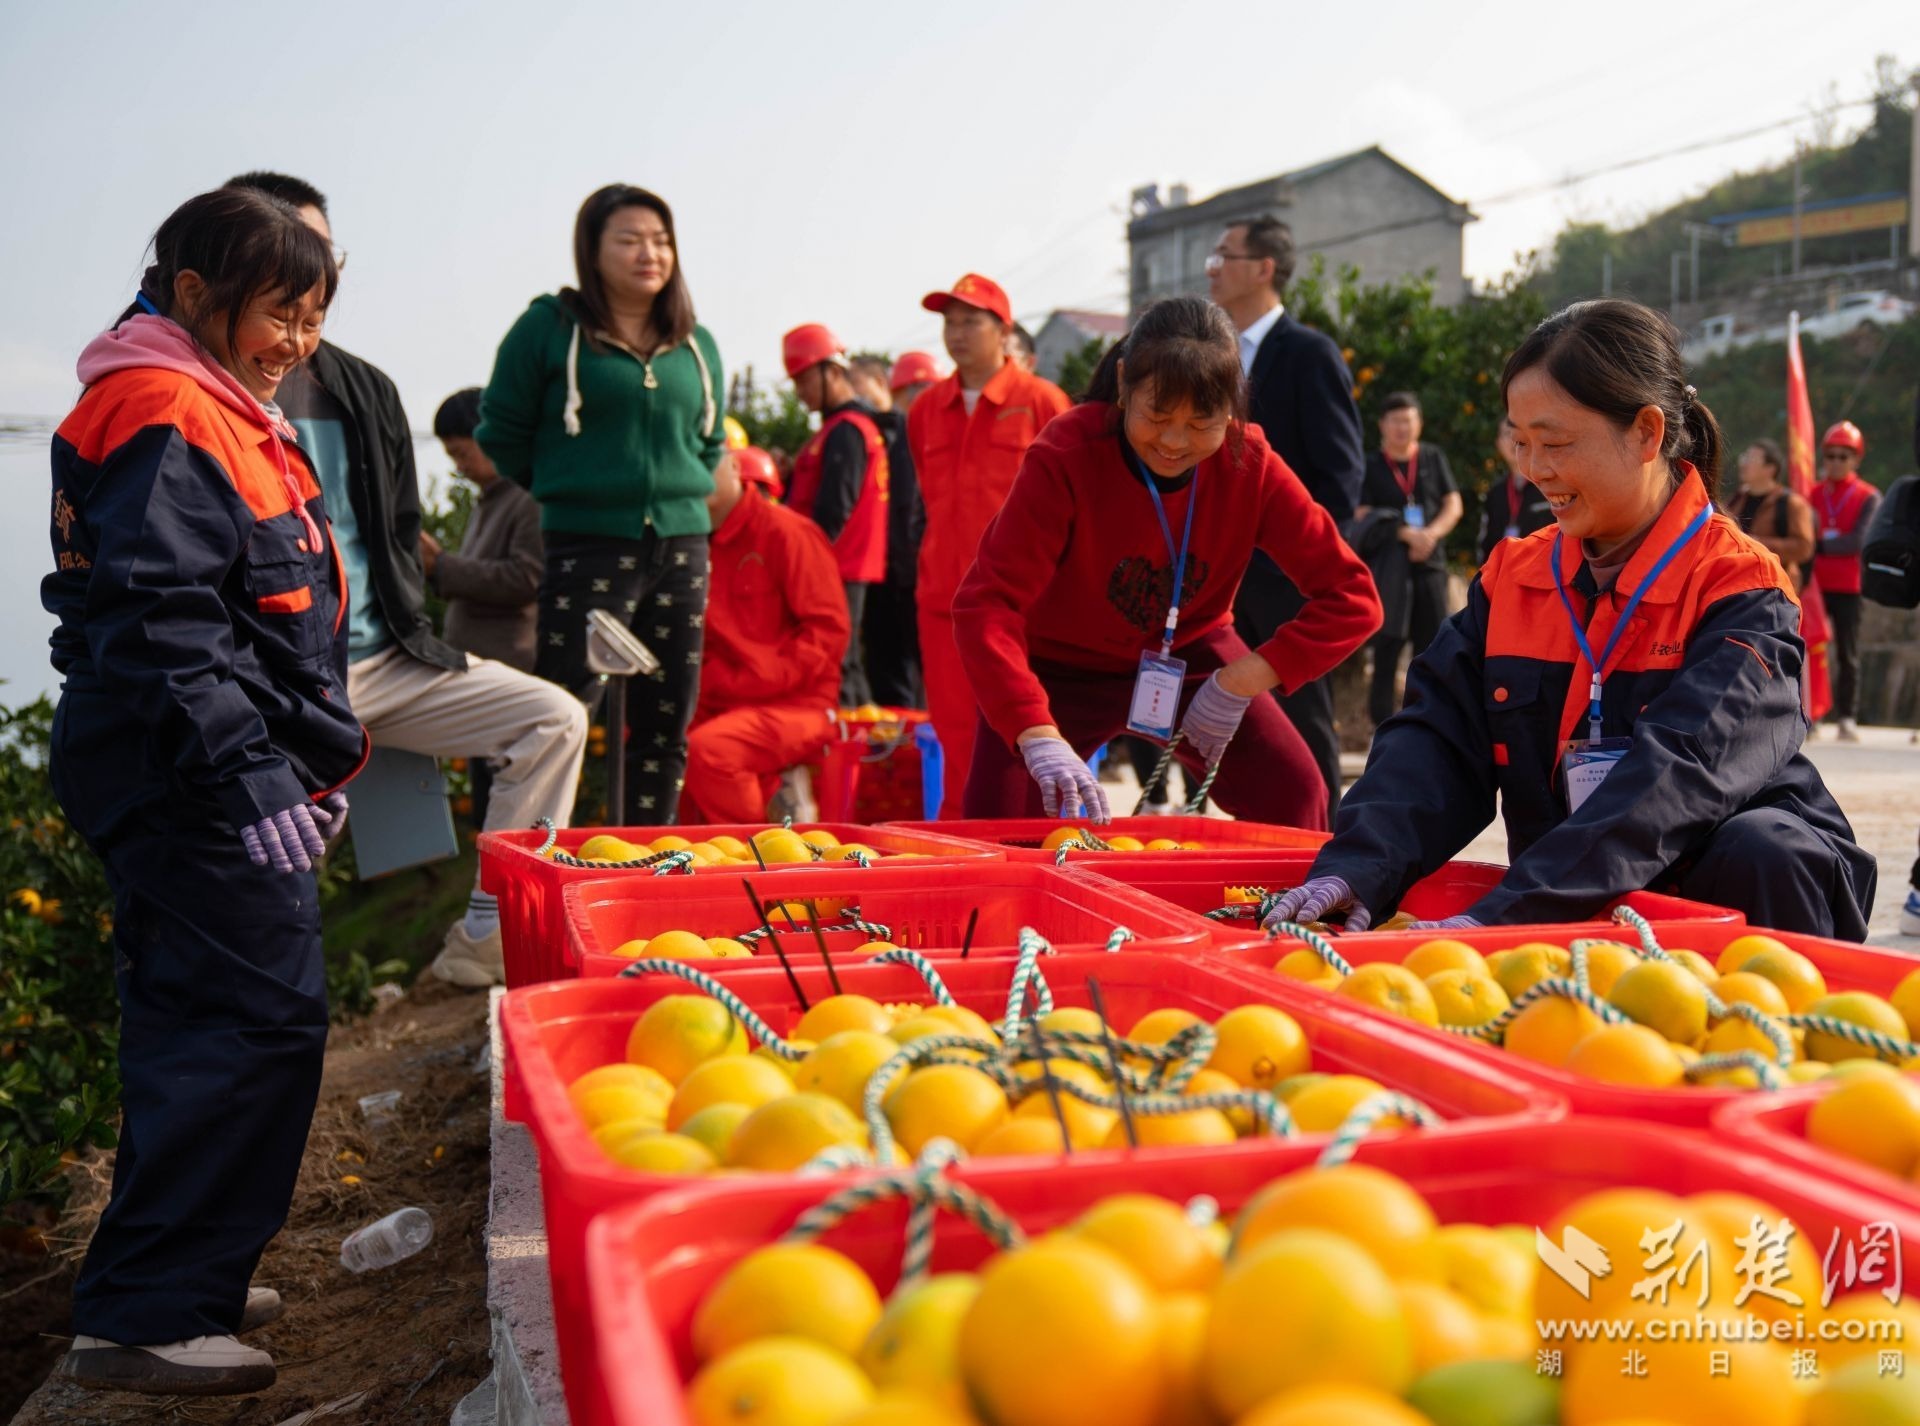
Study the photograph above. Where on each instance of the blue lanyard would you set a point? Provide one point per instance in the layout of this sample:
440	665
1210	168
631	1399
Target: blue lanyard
1179	557
1626	614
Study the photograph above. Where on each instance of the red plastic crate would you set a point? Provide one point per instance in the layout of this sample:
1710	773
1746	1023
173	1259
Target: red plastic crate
1846	967
1019	838
924	907
1776	1125
1198	881
651	1264
533	928
555	1033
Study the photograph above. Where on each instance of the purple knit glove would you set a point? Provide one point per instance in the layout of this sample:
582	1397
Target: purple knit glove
289	841
1316	900
1213	717
1462	922
331	813
1067	784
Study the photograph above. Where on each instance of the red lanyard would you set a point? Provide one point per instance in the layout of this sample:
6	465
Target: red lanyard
1513	500
1405	482
1828	515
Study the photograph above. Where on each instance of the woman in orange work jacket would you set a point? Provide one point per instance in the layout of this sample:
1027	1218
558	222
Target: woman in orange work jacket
1627	681
199	746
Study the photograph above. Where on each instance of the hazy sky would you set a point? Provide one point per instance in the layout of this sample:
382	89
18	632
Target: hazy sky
832	161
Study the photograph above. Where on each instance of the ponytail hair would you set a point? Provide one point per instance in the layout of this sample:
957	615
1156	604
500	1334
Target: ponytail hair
1186	349
1617	357
242	243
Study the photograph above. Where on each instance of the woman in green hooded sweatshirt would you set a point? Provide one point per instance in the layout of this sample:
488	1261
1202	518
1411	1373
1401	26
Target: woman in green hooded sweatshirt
605	402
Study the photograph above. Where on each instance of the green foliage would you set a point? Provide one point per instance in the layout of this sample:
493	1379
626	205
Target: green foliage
1397	338
447	522
1874	161
1866	377
59	1079
778	424
1077	367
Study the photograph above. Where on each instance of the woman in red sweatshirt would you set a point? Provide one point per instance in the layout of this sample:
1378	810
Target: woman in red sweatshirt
1067	624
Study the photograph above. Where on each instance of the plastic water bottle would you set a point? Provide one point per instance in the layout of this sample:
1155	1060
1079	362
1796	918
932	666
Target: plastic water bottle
399	1235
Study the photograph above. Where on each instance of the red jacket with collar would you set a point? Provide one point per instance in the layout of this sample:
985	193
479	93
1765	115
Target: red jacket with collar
1706	683
1074	569
777	626
966	464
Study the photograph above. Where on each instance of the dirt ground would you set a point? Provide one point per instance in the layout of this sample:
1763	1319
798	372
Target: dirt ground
397	1347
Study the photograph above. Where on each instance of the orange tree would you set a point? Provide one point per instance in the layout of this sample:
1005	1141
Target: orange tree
1395	337
59	1019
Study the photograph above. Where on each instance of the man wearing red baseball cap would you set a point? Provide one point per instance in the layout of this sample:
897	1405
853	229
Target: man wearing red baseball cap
840	479
967	434
1843	509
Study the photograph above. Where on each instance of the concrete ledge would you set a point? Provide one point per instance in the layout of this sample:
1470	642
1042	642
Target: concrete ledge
526	1355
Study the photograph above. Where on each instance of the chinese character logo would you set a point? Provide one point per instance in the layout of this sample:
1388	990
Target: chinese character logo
1576	1259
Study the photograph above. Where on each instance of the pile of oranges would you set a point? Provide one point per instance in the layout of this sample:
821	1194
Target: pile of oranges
1337	1299
1669	1020
1120	843
778	846
1872	1117
695	1096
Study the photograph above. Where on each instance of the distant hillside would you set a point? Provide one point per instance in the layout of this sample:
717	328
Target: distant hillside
1868	376
1874	161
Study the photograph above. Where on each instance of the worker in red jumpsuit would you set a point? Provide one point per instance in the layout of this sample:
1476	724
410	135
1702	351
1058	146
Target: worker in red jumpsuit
777	630
1843	508
968	434
840	480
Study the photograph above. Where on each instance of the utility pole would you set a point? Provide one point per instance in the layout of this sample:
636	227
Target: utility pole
1913	180
1673	283
1799	206
1695	232
1606	274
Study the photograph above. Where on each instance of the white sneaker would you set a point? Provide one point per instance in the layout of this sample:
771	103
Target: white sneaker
1910	913
1849	731
263	1306
199	1366
470	964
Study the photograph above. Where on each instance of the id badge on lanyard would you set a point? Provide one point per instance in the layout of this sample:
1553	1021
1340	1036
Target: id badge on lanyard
1412	511
1157	686
1587	761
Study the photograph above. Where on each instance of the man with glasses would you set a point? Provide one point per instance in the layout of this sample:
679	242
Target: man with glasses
968	433
1300	394
1843	509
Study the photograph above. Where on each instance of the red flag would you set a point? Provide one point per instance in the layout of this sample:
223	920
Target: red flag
1815	691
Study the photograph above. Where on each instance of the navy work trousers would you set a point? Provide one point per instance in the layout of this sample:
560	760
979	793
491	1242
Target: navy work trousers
223	1027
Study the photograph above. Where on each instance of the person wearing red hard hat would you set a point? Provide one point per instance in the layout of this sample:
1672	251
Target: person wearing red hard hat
968	434
757	468
840	479
776	634
1843	509
912	374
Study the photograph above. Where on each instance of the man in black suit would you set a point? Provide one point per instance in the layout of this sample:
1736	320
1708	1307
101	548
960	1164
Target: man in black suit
1300	394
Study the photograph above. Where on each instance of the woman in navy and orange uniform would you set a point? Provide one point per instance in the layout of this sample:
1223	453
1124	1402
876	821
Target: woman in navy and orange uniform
1627	682
200	745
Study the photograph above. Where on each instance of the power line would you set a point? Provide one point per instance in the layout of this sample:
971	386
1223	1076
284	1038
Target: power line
1574	180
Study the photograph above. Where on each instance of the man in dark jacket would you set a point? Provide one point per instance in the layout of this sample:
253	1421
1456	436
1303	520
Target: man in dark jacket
890	629
491	583
1300	394
409	689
